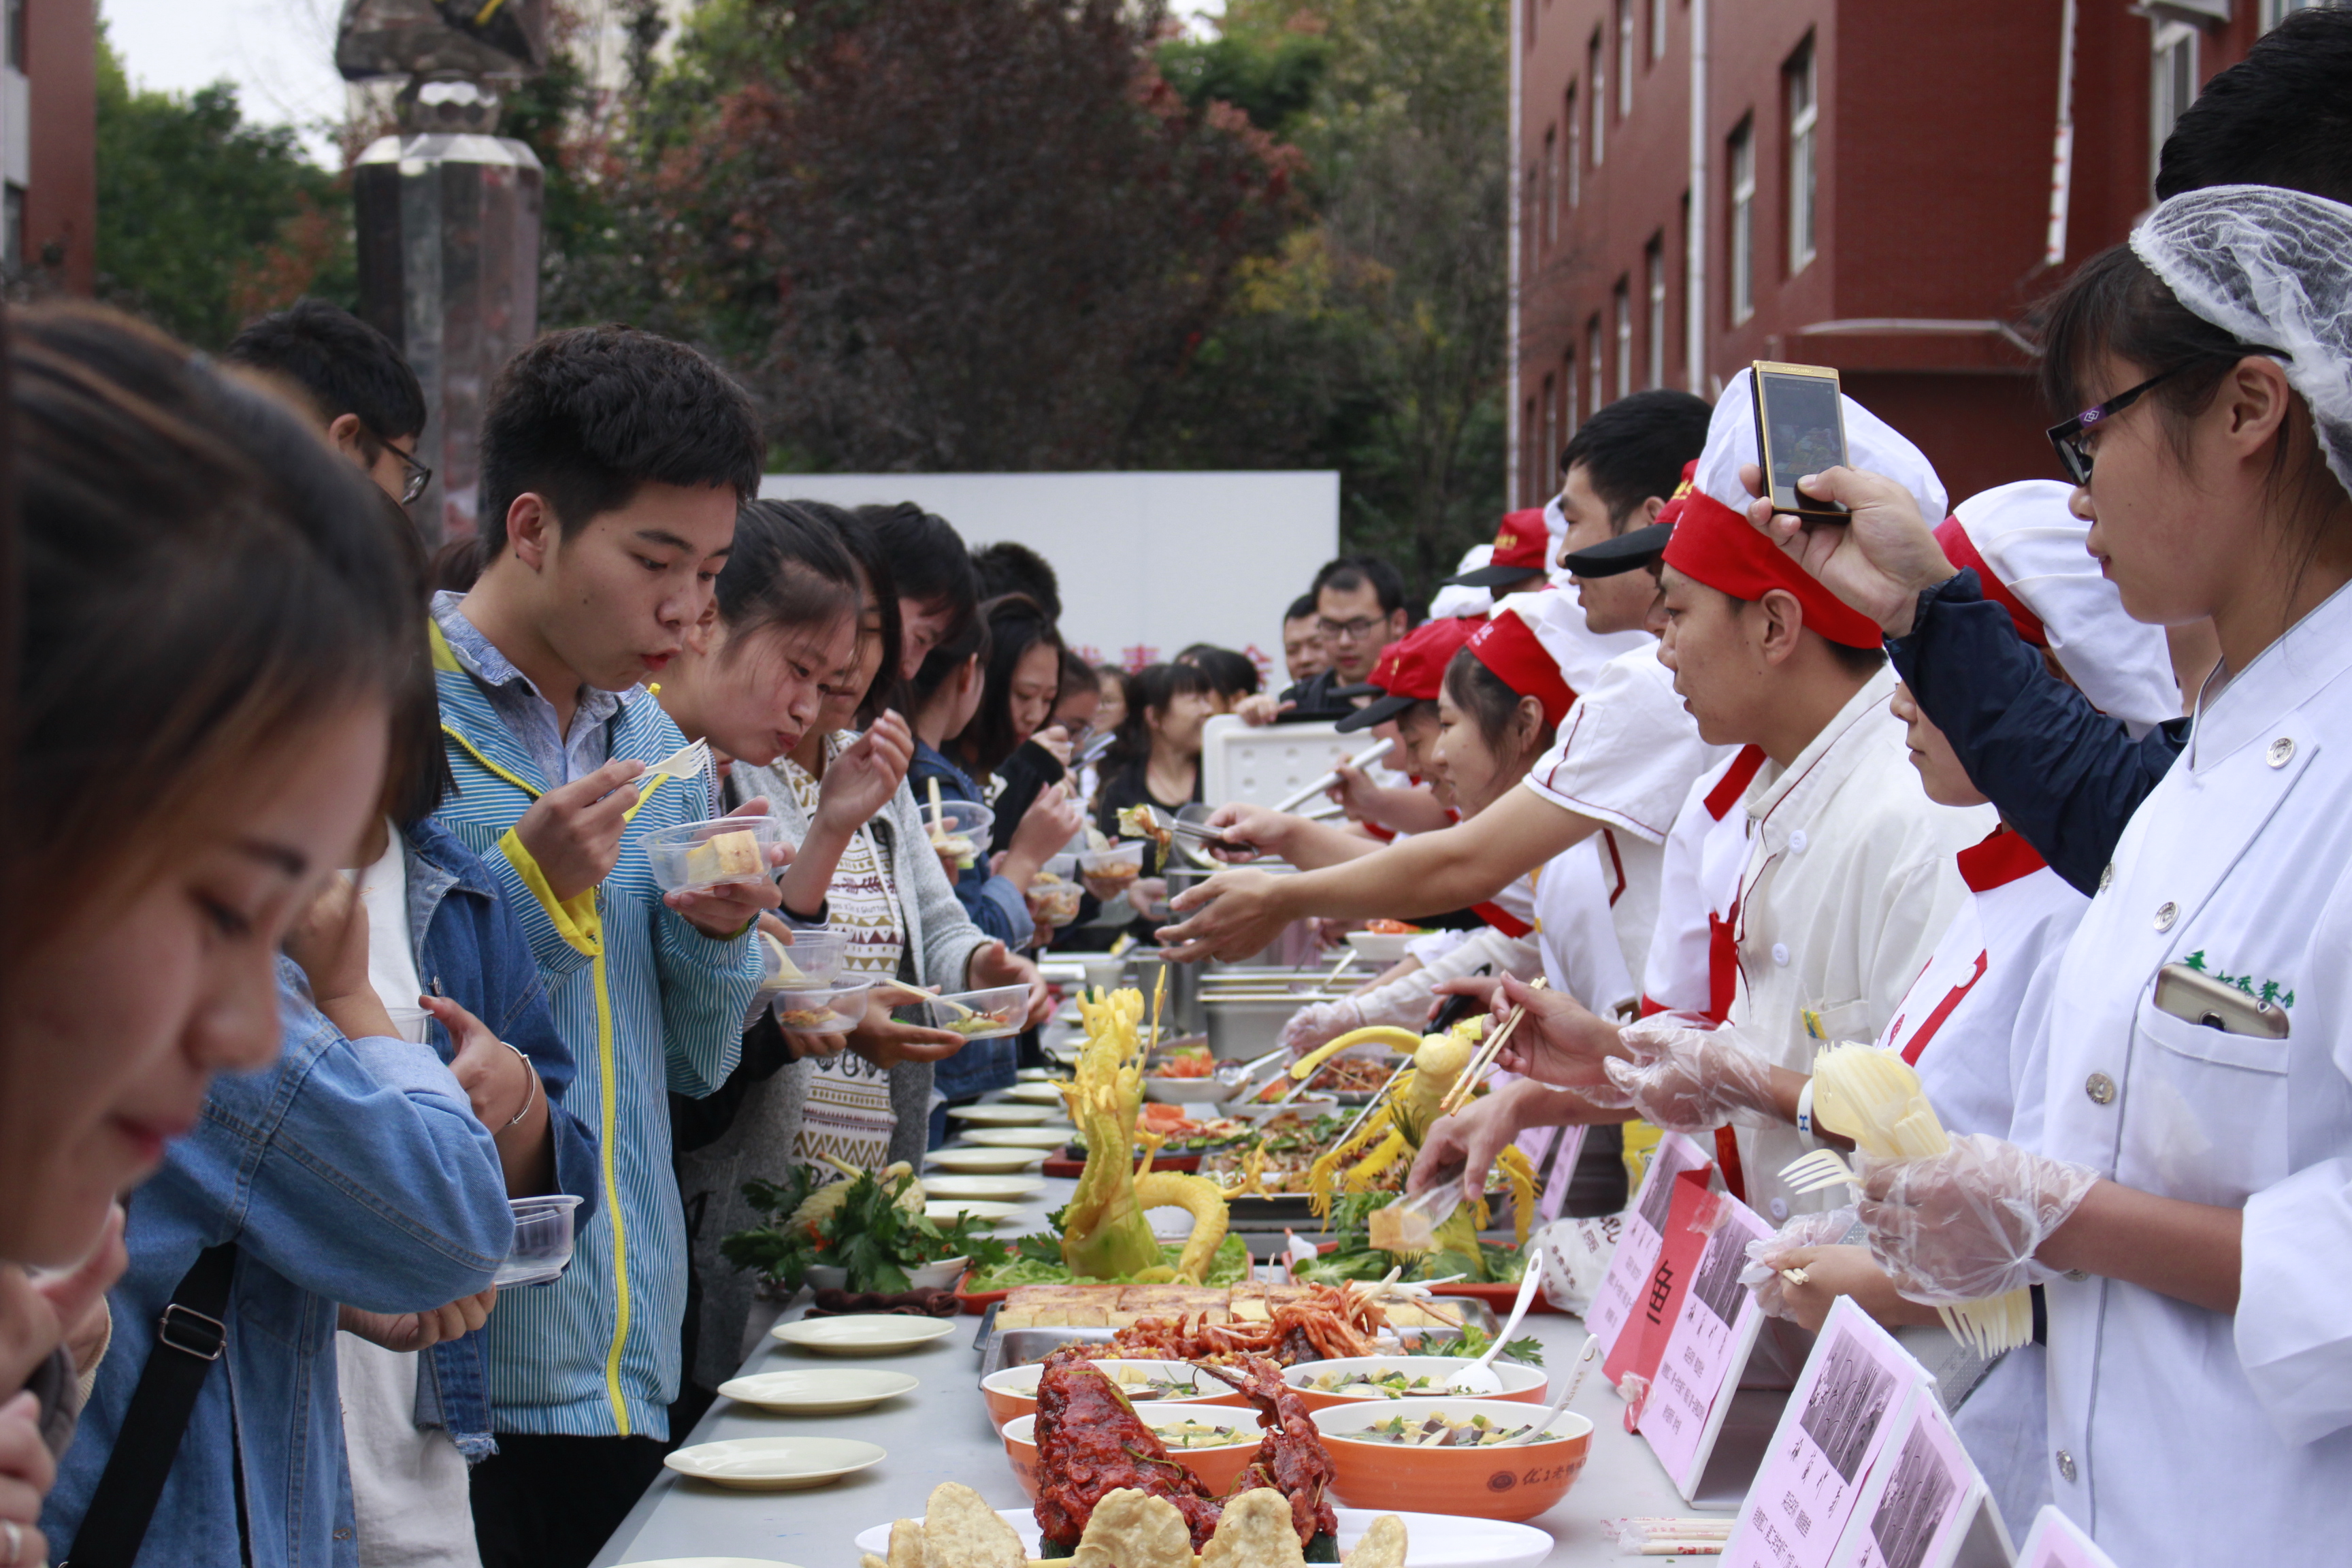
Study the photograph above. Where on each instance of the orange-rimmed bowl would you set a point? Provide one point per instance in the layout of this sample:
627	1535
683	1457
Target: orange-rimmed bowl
1506	1483
1217	1468
1521	1382
1012	1393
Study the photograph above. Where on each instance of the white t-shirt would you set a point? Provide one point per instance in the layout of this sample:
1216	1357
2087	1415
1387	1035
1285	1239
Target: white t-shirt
392	961
1575	891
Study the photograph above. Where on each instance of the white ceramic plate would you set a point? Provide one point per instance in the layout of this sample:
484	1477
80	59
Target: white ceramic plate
1017	1137
1033	1074
774	1464
1382	946
1039	1093
830	1391
985	1162
992	1189
864	1334
981	1211
1431	1540
996	1114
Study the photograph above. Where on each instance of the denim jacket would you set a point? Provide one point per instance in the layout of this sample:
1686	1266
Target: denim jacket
352	1170
470	948
994	904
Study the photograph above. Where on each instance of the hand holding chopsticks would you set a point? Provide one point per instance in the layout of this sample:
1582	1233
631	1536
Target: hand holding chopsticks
1484	1062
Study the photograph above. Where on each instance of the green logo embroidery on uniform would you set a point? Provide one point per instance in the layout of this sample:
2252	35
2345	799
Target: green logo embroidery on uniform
2268	991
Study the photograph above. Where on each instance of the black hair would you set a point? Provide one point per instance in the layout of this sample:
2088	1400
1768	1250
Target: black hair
203	578
1349	573
927	560
1635	448
888	687
457	565
1006	567
586	418
1076	673
1154	686
1488	699
2114	305
341	365
1856	661
2281	115
1301	608
787	569
416	763
1016	622
1230	674
947	659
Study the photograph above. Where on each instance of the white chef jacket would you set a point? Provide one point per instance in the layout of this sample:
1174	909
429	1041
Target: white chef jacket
1575	891
1705	853
1625	756
1848	882
2180	1435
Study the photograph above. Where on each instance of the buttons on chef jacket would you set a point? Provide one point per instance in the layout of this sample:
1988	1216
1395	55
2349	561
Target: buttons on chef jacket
2166	913
1797	842
2100	1088
1781	953
2282	752
2106	875
2066	1466
1779	1207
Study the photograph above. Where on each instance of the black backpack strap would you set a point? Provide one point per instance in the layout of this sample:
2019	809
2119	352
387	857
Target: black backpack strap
189	1339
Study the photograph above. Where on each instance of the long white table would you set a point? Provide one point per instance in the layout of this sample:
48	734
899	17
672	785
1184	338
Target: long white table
942	1432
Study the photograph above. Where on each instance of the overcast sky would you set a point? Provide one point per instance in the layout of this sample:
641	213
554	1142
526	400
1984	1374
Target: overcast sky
278	53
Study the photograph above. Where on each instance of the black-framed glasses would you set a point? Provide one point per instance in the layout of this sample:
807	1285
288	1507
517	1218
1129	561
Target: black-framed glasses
419	476
2066	437
1356	630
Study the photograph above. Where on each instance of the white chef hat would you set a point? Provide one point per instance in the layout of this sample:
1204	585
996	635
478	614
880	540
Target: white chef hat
2030	552
1459	599
1557	617
1870	444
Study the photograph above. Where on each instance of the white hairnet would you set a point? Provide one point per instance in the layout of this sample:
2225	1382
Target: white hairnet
2037	549
2274	268
1870	444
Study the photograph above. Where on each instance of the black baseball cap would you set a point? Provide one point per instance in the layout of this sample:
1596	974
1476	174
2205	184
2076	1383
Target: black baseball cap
1636	547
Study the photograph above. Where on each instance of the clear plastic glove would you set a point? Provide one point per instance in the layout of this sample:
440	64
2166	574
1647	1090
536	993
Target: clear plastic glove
1320	1022
1964	1224
1693	1081
1769	1256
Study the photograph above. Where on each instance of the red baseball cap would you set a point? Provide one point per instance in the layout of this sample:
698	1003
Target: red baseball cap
1520	546
1410	671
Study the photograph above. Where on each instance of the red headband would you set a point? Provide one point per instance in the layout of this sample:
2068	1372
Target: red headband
1961	551
1509	646
1715	545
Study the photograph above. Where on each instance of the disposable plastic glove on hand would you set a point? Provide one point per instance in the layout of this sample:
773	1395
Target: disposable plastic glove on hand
1320	1022
1693	1081
1769	1255
1964	1224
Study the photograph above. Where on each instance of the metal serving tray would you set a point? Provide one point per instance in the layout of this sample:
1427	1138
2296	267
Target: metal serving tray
1019	1347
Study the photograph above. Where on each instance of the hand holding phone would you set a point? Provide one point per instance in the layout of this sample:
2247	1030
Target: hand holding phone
1799	430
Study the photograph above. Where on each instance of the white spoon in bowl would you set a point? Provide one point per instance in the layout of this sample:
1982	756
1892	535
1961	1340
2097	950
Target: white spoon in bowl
1477	1378
1535	1433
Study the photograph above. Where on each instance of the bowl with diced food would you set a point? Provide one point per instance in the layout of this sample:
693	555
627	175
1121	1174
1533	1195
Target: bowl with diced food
975	1014
1054	893
1214	1442
1012	1393
1361	1379
1108	873
695	856
960	829
813	958
822	1009
1483	1457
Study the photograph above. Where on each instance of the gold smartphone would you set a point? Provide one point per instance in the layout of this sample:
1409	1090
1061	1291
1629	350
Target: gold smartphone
2197	998
1799	430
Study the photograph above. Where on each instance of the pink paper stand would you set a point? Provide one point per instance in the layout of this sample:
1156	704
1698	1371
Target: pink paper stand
2057	1542
1706	1352
1627	1282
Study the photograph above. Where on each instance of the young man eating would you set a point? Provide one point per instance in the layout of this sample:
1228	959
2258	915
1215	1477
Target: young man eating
612	465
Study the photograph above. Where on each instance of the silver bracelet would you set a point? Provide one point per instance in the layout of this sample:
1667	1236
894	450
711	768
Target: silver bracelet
531	1092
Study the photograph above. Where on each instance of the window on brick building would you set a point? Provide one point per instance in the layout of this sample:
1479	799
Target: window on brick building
1575	151
1653	273
2172	83
1542	459
1593	355
1622	304
1657	30
17	53
1550	185
1570	416
1530	435
12	233
1530	222
1805	118
1596	58
2277	11
1742	227
1624	57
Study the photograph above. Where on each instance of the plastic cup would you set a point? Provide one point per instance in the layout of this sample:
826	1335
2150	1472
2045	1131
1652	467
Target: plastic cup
543	1240
821	1010
695	856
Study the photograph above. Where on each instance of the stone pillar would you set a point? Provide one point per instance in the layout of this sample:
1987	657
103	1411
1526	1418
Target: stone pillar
448	265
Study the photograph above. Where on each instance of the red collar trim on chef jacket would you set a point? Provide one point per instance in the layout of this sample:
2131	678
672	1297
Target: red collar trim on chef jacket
1961	551
1502	920
1715	545
1999	859
1733	784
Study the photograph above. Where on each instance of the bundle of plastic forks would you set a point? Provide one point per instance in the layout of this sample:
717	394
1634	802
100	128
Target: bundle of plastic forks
1875	1098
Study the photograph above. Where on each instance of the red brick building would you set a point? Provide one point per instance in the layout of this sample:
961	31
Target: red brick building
49	144
1882	185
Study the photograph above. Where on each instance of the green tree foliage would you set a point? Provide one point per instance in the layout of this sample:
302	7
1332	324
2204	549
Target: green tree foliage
205	221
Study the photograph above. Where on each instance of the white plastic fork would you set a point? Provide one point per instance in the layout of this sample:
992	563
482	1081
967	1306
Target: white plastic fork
1821	1168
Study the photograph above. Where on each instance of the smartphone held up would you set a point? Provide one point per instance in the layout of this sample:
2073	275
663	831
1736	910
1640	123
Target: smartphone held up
1799	430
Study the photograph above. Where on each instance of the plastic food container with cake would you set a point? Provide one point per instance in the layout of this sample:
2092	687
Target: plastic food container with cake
975	1014
694	855
822	1009
959	827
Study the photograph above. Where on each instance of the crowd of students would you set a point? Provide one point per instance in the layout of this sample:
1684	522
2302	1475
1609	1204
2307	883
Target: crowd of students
332	931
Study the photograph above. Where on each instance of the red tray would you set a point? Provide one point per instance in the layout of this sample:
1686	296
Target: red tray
977	1304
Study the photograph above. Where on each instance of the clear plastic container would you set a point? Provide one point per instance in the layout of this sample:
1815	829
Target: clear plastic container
812	959
1108	873
543	1240
975	1014
1054	894
824	1010
965	826
693	856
